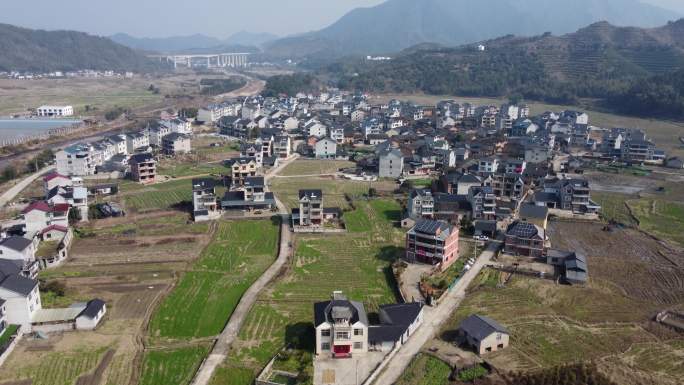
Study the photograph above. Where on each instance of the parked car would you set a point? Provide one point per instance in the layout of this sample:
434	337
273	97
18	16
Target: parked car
483	238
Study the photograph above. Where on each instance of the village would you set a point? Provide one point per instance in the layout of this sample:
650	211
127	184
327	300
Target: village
328	238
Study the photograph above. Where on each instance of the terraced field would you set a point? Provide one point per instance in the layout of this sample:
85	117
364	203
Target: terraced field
54	368
160	196
205	297
175	366
357	263
287	189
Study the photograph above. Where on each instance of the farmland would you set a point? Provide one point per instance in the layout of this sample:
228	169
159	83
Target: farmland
172	366
356	262
425	370
333	189
203	300
159	196
315	167
128	262
609	320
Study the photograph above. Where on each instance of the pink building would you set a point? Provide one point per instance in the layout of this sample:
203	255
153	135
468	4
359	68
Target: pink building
432	242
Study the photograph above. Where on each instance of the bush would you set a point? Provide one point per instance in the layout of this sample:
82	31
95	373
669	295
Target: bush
58	288
471	374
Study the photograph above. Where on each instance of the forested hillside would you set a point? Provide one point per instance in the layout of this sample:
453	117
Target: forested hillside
43	51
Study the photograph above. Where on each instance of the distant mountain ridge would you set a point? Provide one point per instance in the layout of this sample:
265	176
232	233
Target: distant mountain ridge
241	41
598	61
24	49
399	24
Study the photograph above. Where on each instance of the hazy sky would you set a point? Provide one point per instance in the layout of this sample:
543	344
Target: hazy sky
159	18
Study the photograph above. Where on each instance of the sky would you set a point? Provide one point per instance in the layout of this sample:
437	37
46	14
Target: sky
161	18
218	18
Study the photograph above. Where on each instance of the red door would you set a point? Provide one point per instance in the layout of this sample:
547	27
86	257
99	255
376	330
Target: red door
341	351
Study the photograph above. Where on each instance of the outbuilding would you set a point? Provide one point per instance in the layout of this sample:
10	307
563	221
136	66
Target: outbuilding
483	334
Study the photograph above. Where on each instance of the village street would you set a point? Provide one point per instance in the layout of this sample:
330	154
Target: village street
434	318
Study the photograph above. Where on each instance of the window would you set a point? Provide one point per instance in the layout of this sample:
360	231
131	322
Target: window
358	345
358	332
342	335
325	346
325	332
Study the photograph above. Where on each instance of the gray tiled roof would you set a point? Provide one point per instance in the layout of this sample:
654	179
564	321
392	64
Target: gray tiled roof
16	243
19	284
480	327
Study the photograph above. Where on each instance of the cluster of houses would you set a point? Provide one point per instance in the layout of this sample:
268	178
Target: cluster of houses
132	153
41	239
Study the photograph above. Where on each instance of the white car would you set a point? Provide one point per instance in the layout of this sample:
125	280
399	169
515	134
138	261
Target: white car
483	238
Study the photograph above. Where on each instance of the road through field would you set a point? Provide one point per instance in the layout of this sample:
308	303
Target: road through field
220	351
434	318
8	195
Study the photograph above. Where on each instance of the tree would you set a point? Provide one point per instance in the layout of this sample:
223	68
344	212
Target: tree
372	192
74	216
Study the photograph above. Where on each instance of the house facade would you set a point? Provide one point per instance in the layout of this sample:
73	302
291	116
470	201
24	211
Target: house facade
341	327
143	168
526	239
204	202
483	334
432	242
391	163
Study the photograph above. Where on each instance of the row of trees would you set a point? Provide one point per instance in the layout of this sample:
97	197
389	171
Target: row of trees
34	164
290	84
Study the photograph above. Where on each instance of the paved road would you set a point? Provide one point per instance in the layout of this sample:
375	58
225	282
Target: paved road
220	351
434	318
19	187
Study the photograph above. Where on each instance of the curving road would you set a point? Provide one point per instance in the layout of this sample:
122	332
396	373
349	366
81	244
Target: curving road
220	351
10	194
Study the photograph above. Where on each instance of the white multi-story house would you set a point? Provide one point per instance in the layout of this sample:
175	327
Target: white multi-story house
18	249
21	296
391	163
205	204
341	327
325	148
54	111
75	160
316	129
157	134
488	165
40	214
136	140
421	204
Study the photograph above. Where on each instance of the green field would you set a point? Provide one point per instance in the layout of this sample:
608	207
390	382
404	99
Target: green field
315	167
357	263
203	300
55	368
287	189
613	207
660	218
160	196
425	370
175	366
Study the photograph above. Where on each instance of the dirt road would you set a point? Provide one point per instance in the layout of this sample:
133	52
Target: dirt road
434	318
19	187
220	351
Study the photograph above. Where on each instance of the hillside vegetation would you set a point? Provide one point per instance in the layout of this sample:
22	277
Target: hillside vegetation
44	51
599	61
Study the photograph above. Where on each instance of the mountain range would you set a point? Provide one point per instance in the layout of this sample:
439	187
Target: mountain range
44	51
598	61
242	41
399	24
